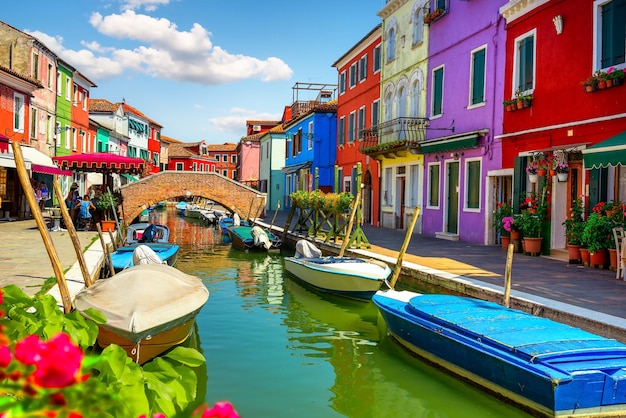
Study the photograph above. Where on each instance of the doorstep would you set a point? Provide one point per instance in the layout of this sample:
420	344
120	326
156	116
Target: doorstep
447	236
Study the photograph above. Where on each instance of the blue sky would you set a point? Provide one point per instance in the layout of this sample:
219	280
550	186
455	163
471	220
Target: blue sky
200	68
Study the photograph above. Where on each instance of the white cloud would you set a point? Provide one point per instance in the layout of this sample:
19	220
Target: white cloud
237	119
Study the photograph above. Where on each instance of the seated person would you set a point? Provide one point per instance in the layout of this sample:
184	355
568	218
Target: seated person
85	208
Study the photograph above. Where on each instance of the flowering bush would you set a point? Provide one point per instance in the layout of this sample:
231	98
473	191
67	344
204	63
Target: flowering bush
598	233
561	168
508	223
502	211
45	372
575	224
614	73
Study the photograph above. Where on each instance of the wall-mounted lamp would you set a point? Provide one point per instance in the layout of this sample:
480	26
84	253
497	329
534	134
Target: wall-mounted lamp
558	24
81	133
58	129
456	156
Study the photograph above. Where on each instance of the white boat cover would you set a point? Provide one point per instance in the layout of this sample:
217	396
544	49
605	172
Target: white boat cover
145	255
260	237
144	300
306	249
236	220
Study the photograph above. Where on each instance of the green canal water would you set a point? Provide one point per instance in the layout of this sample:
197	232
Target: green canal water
276	349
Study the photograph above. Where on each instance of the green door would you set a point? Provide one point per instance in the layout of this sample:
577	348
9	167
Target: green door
453	199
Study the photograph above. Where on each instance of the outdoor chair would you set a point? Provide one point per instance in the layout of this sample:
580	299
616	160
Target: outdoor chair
618	235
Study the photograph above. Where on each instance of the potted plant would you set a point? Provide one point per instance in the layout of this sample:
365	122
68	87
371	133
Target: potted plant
502	211
107	204
574	228
590	84
532	171
601	79
597	235
616	75
562	170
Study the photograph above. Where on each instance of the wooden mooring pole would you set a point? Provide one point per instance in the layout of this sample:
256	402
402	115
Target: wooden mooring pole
405	244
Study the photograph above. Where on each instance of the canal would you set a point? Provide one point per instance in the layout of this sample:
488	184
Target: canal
276	349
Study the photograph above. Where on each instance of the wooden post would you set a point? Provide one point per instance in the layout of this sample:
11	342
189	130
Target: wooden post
507	274
41	225
112	238
288	222
346	238
107	254
275	213
405	244
69	225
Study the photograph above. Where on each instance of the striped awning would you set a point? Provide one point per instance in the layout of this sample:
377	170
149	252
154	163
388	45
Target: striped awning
101	163
610	152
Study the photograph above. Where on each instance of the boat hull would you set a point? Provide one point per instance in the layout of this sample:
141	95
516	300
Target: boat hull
148	348
241	239
543	366
122	258
352	277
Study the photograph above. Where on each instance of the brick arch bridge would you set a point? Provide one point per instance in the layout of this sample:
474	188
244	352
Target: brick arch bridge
137	196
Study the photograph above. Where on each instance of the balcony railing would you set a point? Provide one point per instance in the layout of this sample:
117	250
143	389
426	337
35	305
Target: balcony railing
396	134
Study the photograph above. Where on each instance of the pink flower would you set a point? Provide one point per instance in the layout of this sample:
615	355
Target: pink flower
49	371
221	410
5	356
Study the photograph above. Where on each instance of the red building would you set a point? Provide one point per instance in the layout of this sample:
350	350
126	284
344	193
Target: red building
82	138
562	122
358	105
189	156
226	158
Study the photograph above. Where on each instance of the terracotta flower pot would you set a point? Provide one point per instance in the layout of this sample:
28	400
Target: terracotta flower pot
613	259
532	245
584	256
505	241
598	258
574	253
515	235
107	225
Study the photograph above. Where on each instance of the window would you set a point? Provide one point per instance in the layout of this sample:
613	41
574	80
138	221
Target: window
57	133
472	187
225	173
351	127
84	99
73	140
388	106
233	158
194	166
225	158
361	122
353	75
68	134
391	45
83	141
433	185
478	74
375	112
418	26
376	63
363	68
68	88
33	123
296	144
35	66
49	75
342	82
310	136
437	100
74	94
143	154
387	200
524	65
440	4
401	104
180	167
415	99
234	174
611	42
18	112
341	131
59	85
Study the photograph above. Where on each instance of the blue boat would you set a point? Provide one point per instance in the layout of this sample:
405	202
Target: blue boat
122	258
226	221
543	366
253	238
180	207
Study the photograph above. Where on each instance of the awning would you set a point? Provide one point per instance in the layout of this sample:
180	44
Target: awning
101	163
130	177
7	160
452	142
41	163
295	167
610	152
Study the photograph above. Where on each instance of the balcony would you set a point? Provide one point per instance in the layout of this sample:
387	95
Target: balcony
393	138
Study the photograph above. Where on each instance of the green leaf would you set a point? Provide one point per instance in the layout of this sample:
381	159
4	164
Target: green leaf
187	356
95	315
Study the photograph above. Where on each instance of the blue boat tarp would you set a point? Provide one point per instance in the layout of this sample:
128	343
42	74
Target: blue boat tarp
518	332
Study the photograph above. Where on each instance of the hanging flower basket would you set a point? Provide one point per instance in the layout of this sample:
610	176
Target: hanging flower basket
533	177
562	176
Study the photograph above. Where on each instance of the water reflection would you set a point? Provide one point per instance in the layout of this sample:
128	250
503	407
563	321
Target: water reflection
275	348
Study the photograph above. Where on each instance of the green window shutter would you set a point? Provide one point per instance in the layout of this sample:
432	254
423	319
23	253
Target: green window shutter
438	92
597	186
526	64
473	184
478	77
613	33
433	179
519	182
441	4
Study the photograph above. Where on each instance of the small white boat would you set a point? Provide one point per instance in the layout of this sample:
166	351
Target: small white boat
150	308
348	276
